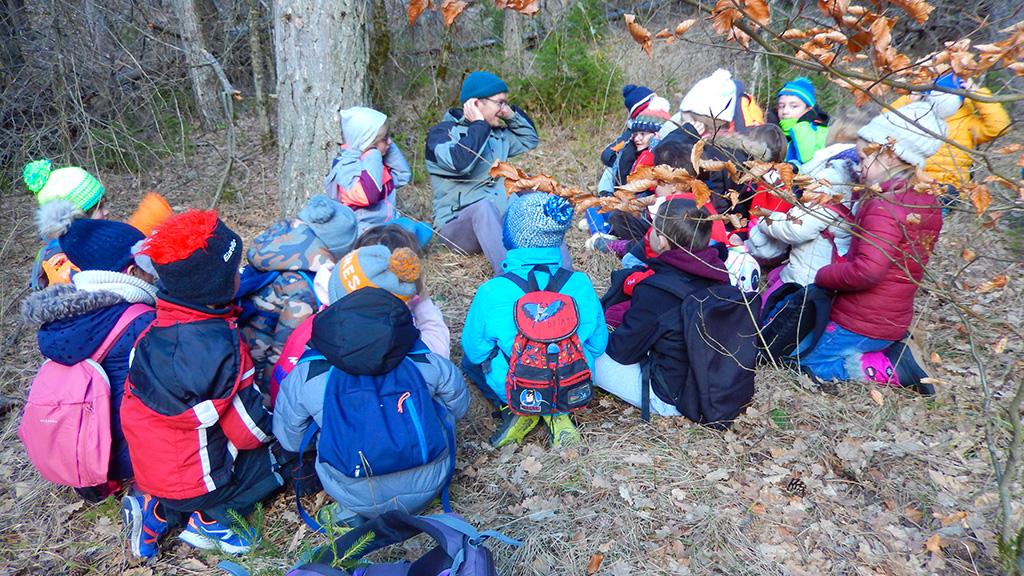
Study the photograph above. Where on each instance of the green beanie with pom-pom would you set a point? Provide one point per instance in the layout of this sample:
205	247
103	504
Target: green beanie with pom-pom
71	183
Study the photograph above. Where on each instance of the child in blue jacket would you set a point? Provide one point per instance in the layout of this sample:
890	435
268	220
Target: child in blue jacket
534	229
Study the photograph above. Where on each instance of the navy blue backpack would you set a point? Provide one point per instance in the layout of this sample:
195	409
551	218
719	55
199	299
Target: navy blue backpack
380	424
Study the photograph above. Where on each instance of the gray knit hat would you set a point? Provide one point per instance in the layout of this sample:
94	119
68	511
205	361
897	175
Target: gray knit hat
912	144
334	223
536	220
376	267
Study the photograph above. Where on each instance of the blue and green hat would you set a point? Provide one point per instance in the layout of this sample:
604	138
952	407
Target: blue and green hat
802	88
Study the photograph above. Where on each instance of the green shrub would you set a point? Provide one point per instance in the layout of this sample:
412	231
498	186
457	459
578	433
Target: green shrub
570	75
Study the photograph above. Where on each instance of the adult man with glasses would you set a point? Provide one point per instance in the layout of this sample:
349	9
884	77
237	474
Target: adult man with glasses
468	203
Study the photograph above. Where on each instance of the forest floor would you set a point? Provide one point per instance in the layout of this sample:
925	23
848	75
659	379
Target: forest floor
895	484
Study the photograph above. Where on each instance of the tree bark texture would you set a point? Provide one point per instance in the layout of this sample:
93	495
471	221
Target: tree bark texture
322	50
258	80
512	39
206	86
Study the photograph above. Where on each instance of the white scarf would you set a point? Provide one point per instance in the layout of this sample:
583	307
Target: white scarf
126	286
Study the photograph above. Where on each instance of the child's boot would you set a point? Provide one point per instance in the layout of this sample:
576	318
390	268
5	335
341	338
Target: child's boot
908	368
512	428
563	431
209	534
143	524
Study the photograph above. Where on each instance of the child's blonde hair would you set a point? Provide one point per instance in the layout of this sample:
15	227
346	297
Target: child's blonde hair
844	125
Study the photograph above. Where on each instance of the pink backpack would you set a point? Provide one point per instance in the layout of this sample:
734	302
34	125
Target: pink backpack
66	424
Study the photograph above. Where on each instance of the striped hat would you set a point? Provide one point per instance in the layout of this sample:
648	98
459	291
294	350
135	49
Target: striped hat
802	88
70	183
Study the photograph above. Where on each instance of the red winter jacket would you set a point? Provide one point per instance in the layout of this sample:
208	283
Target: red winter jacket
893	236
189	404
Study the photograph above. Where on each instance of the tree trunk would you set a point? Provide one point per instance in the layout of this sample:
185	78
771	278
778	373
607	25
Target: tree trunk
380	50
322	50
256	54
512	40
206	86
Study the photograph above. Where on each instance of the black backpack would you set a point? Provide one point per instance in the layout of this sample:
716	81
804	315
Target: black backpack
793	321
721	347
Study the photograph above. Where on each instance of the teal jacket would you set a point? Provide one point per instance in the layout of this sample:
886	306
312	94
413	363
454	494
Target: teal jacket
490	321
459	155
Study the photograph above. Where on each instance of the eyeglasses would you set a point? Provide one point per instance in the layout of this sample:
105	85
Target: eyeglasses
500	103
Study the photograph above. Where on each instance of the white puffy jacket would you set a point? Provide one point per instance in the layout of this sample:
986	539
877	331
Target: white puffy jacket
801	228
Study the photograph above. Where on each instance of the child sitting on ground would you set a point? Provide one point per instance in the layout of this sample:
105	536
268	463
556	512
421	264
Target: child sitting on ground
653	340
293	251
73	185
816	232
367	334
894	234
196	427
533	232
427	317
973	124
804	124
75	320
368	171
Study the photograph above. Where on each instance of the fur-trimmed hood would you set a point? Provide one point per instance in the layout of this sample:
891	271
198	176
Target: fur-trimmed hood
64	301
73	323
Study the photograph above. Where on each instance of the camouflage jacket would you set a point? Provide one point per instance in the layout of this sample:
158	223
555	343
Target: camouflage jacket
293	249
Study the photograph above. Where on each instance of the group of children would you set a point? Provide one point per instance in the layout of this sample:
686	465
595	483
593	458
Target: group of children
226	366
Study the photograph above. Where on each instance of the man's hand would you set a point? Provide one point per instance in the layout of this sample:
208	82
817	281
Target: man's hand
471	110
506	112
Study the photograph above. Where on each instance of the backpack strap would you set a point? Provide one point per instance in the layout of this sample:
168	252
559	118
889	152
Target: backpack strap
307	439
529	284
129	315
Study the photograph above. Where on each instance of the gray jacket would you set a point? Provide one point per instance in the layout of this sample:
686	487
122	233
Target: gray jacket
459	155
302	398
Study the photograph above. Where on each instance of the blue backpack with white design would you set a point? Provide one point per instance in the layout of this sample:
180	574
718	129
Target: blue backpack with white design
380	424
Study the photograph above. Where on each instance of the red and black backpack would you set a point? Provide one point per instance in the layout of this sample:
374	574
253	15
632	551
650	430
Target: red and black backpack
547	370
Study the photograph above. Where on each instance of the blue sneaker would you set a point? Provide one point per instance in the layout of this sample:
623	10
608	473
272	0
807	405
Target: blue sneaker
210	535
143	524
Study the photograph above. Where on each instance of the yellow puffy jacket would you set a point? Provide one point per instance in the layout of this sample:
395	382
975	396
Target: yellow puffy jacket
974	123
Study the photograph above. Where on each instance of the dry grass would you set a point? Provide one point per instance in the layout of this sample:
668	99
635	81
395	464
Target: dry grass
660	498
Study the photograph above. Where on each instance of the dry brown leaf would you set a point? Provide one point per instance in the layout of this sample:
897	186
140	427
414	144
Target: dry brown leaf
877	397
913	514
997	283
525	7
757	10
415	8
663	34
595	564
968	255
1000	345
936	359
918	10
723	16
980	197
638	185
934	545
913	218
701	193
954	518
450	10
786	173
684	26
639	33
758	509
1010	149
795	34
695	154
